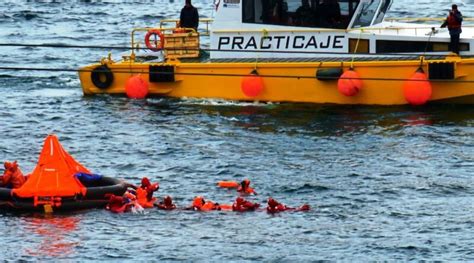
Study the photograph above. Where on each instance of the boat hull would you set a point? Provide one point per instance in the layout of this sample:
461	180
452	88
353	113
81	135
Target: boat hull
383	81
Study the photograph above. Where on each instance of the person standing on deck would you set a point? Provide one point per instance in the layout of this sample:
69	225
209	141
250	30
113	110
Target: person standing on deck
454	21
189	17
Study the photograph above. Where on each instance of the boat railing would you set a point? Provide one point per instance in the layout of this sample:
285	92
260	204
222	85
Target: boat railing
177	42
417	30
203	31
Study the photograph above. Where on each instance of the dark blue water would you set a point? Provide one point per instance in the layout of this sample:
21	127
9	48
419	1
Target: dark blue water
384	182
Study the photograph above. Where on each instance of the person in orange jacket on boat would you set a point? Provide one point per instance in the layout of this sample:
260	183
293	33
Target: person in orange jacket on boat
275	207
242	205
145	193
166	204
245	188
454	23
12	176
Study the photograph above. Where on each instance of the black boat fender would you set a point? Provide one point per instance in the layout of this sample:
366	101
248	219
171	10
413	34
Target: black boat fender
102	77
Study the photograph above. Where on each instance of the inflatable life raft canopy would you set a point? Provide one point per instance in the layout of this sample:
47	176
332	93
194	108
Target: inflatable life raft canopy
54	173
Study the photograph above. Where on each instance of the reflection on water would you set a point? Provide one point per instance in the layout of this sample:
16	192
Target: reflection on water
53	234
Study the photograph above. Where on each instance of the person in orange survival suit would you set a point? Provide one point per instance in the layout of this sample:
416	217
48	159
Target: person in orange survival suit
167	204
145	193
12	176
275	207
117	204
245	188
242	205
200	204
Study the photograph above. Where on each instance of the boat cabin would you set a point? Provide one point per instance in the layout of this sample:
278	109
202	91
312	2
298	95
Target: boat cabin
309	28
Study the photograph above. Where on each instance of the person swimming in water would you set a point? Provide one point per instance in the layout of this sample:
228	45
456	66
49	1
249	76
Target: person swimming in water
122	204
200	204
242	205
12	176
245	188
274	206
145	193
167	204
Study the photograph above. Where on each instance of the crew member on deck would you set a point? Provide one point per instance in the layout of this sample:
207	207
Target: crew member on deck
454	21
12	176
189	17
304	14
330	14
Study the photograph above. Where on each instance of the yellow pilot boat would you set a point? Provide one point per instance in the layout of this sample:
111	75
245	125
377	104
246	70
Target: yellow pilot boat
258	50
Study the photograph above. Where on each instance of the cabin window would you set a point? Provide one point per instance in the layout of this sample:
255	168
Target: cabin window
383	10
302	13
390	46
367	13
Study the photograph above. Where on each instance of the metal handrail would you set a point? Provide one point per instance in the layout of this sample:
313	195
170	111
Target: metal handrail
206	21
330	30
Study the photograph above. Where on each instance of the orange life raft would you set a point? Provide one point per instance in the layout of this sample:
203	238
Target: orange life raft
53	185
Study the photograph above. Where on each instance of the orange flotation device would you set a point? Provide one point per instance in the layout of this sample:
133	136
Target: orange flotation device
228	184
208	206
225	207
143	199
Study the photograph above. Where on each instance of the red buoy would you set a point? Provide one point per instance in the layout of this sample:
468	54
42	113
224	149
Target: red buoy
417	89
252	85
349	83
136	87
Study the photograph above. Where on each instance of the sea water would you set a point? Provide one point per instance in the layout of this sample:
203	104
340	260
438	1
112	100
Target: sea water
383	182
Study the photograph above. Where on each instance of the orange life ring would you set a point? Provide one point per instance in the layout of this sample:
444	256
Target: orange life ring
157	46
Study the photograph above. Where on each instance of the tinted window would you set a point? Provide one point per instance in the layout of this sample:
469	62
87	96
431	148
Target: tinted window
367	13
304	13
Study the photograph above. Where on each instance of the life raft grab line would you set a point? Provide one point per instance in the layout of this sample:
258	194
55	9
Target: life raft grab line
225	75
213	50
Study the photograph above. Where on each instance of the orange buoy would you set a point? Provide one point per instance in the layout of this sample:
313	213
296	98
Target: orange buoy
228	184
417	89
136	87
349	83
252	85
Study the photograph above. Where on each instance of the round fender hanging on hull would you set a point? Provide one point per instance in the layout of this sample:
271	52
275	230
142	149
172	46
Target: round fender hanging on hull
102	77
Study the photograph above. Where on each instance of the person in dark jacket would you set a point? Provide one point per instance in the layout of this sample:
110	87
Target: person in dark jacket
189	17
454	21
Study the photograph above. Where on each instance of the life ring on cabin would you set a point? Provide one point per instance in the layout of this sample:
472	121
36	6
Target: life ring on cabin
158	46
96	196
102	77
